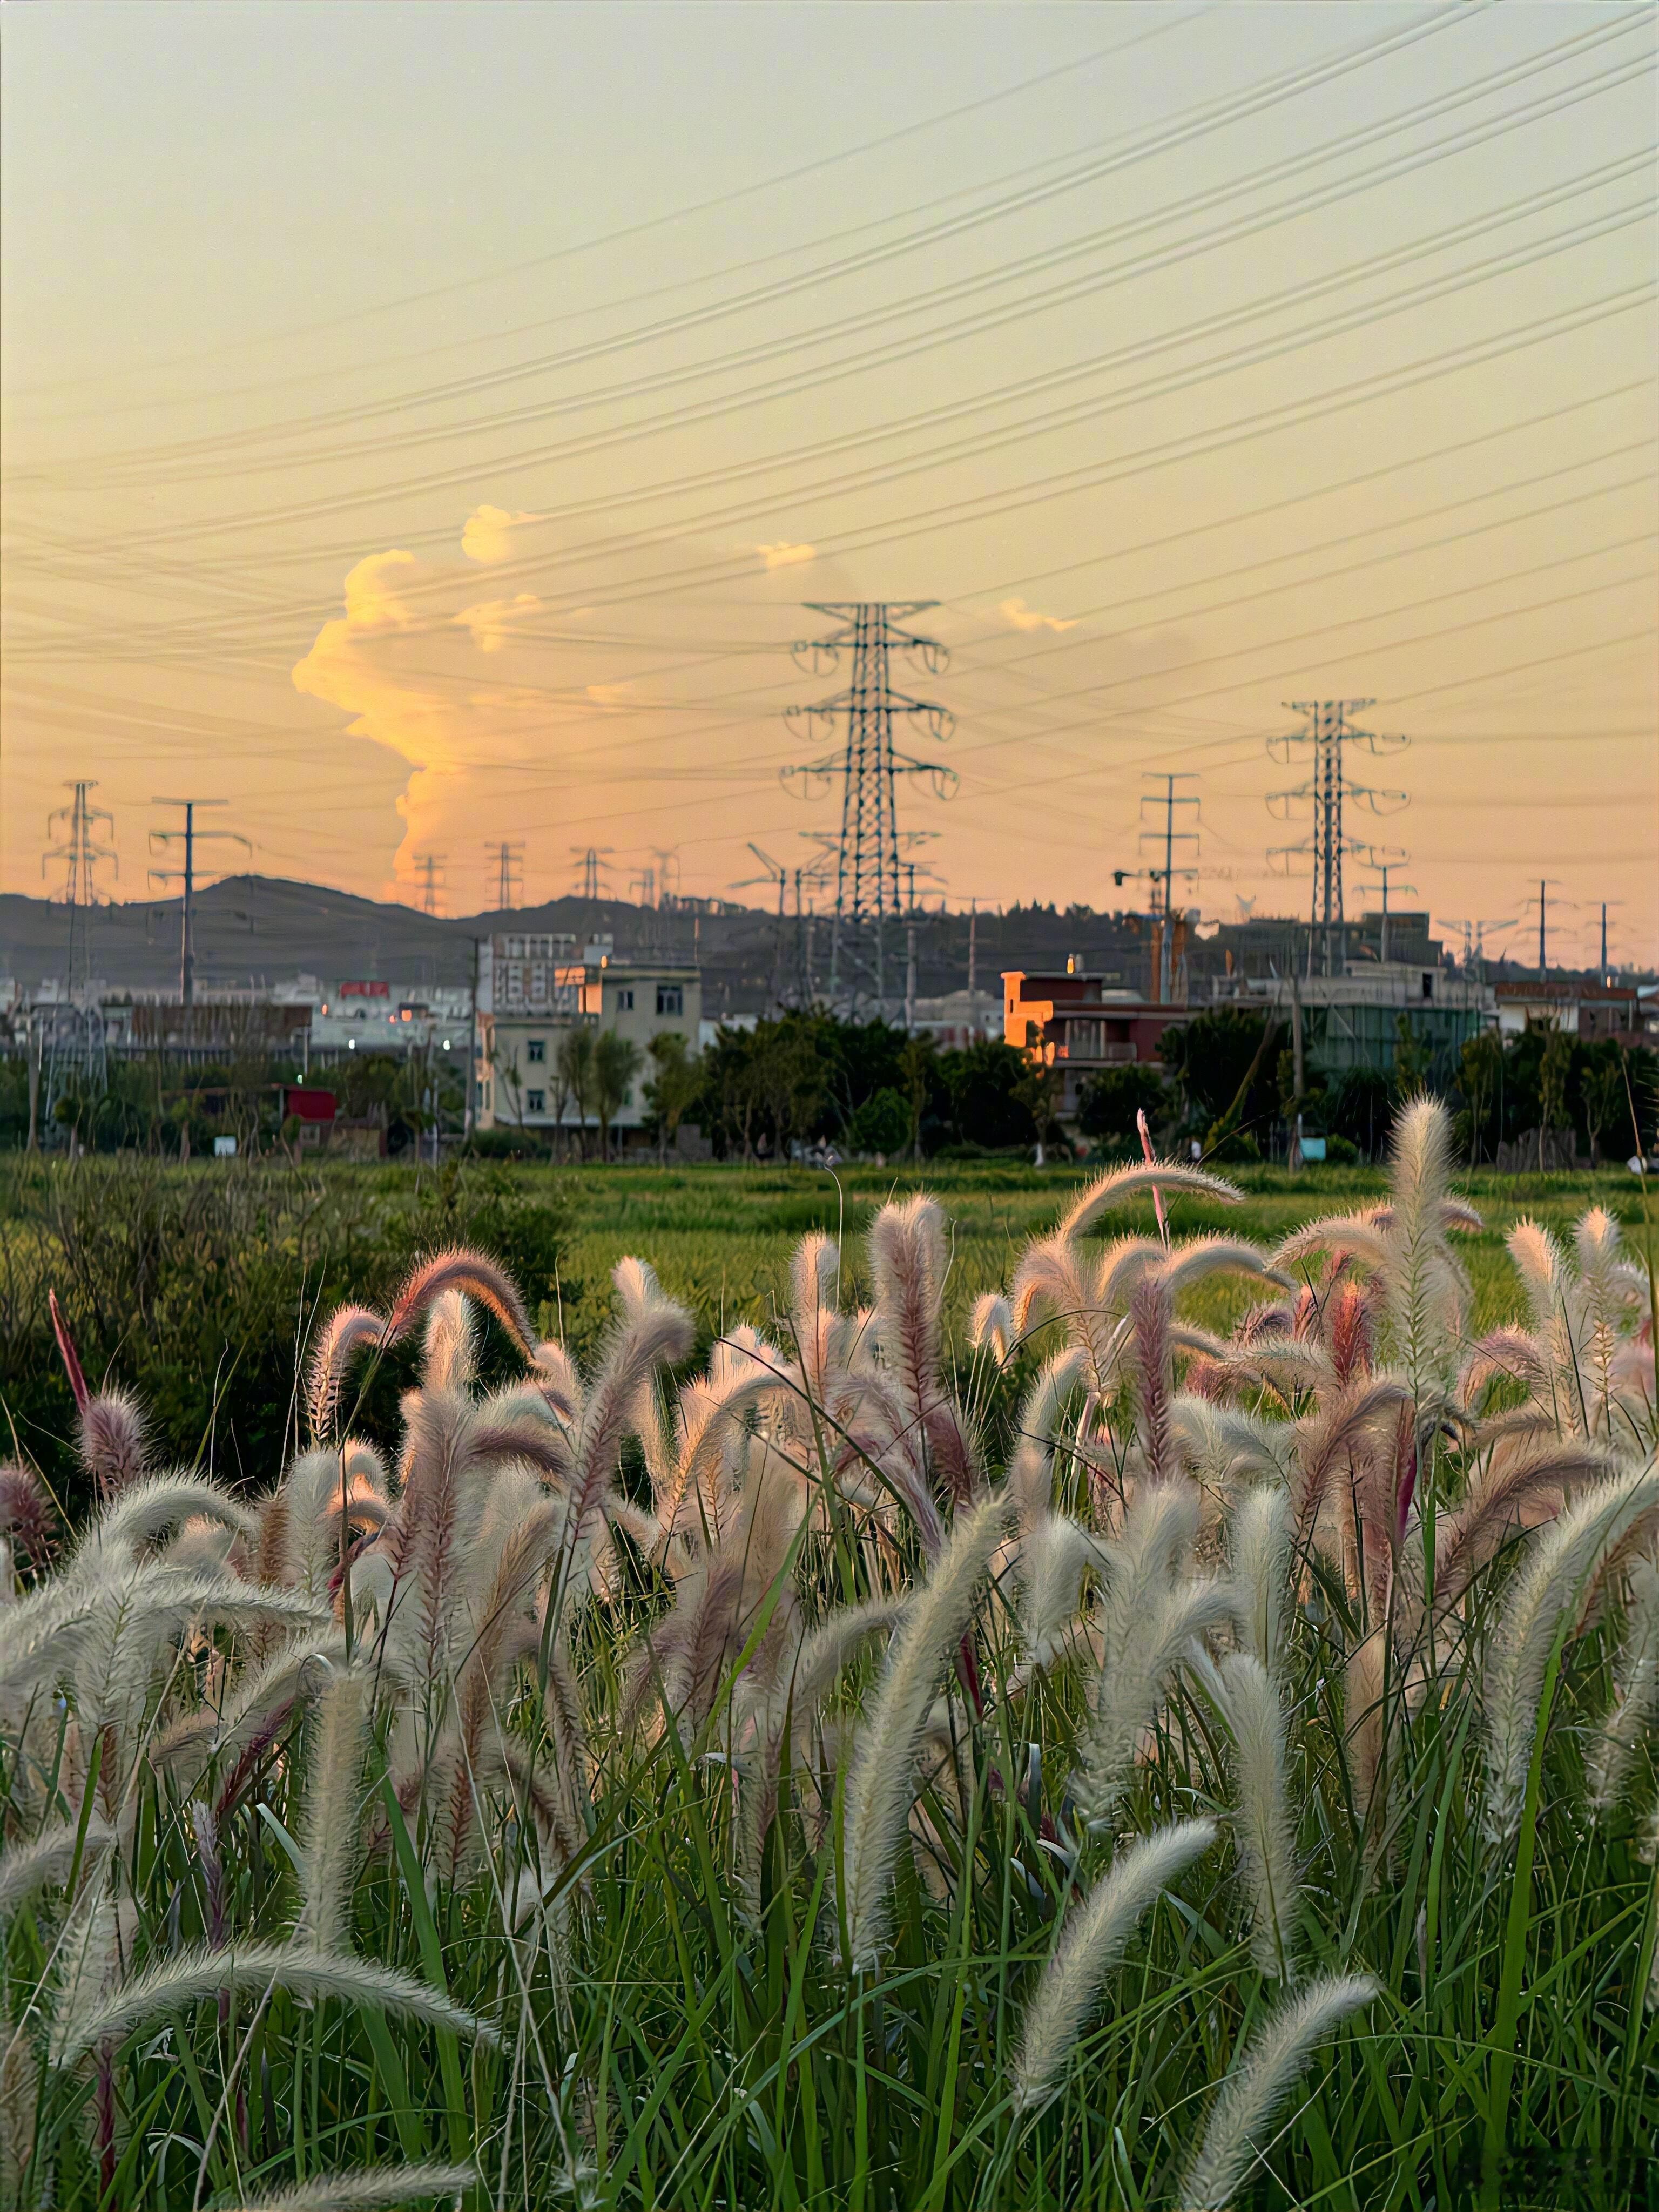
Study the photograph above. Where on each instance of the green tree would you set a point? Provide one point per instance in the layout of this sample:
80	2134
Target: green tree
616	1063
1602	1090
1480	1075
1554	1071
672	1090
987	1107
1109	1102
882	1125
575	1066
1410	1058
1211	1055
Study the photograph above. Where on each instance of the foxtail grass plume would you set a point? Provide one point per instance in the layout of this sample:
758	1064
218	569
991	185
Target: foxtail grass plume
184	1979
1635	1704
1553	1588
1261	1536
1263	1825
1260	2081
333	1812
366	2189
1094	1940
880	1786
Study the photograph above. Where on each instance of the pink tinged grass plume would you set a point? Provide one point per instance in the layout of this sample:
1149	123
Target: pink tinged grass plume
1262	1827
471	1273
1259	2083
333	1808
1094	1940
880	1786
1549	1595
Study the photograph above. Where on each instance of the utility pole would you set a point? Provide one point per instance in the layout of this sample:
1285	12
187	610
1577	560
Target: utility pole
1166	876
1546	885
81	856
973	953
778	874
1326	730
508	856
189	837
868	768
1385	869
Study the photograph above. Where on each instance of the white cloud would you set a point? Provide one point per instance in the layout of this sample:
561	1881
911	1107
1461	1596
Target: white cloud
1020	616
487	534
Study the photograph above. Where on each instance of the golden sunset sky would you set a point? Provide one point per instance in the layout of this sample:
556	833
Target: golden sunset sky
423	425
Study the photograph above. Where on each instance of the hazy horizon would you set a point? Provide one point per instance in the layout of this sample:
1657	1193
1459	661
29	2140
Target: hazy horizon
423	427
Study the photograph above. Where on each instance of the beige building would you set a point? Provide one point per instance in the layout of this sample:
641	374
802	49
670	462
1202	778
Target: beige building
533	993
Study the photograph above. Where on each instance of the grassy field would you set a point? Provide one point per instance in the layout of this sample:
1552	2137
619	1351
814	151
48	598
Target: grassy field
721	1237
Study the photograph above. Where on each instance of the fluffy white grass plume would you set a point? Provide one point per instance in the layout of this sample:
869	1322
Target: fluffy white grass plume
471	1273
1263	1828
1259	2082
1551	1591
1425	1283
447	1359
347	1331
95	2016
47	1859
1636	1707
366	2189
1094	1940
1259	1544
1150	1614
149	1508
1119	1185
329	1850
879	1785
991	1325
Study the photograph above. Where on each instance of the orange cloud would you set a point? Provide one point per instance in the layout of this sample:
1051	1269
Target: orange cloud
487	535
783	555
491	620
1017	613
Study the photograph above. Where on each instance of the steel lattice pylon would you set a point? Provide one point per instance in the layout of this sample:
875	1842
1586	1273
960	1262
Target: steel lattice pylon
1327	728
867	864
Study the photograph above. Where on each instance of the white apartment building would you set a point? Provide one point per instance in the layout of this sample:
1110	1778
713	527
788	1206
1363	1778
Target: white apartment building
532	991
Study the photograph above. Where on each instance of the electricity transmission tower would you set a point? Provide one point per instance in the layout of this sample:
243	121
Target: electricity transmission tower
431	866
508	856
1475	940
190	836
1327	729
72	1055
591	868
867	896
81	856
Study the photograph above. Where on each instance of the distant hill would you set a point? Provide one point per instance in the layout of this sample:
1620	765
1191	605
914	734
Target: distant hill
261	930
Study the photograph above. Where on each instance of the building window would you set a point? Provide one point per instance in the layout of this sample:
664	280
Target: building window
670	999
535	1102
625	1001
536	1051
1428	985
